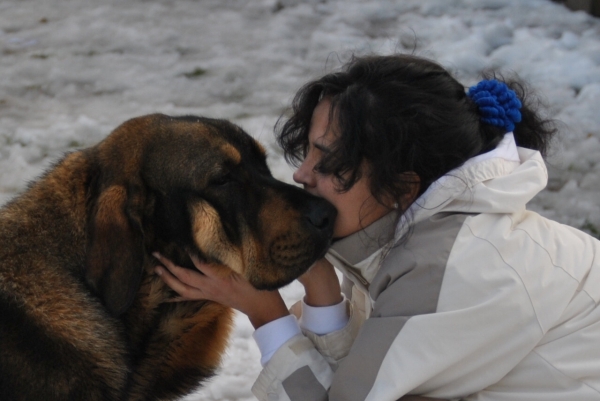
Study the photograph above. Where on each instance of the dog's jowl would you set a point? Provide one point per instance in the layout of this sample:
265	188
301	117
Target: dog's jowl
83	317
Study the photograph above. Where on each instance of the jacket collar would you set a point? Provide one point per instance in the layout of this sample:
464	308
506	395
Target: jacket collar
503	180
500	181
362	244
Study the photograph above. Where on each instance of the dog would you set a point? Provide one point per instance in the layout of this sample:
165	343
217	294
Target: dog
83	316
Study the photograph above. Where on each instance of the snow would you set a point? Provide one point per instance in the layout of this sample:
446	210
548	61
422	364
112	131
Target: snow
72	70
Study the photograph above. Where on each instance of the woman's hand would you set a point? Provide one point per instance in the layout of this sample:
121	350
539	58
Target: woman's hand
321	284
222	285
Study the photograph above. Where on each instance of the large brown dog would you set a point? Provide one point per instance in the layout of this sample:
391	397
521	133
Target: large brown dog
82	316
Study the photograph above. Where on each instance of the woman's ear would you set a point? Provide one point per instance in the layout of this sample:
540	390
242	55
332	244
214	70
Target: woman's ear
115	253
413	184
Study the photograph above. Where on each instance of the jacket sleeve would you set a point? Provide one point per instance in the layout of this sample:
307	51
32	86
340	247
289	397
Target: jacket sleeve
304	366
334	346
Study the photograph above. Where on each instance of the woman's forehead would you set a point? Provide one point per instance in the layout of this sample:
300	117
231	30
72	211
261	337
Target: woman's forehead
321	131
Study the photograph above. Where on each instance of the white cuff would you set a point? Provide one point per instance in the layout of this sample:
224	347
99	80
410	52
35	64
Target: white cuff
324	319
271	336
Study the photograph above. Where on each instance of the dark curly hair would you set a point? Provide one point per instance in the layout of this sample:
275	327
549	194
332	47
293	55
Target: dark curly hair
400	113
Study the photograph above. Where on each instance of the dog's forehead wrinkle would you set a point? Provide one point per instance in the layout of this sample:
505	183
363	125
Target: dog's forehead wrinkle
180	162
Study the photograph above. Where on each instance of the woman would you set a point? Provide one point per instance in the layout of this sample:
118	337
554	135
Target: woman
451	289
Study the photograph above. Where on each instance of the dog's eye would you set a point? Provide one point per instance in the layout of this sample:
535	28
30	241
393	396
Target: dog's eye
221	180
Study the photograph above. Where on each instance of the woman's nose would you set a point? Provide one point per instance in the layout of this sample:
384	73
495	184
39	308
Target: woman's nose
305	175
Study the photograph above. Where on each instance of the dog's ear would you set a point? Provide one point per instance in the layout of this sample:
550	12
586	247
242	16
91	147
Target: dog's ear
116	254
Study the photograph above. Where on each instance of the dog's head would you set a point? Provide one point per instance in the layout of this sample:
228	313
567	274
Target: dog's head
190	184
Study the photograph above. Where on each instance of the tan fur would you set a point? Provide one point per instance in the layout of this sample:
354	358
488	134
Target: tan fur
211	239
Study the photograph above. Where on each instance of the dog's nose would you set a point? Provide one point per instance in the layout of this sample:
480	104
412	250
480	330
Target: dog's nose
321	214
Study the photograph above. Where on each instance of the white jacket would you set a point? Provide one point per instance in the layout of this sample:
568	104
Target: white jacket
484	300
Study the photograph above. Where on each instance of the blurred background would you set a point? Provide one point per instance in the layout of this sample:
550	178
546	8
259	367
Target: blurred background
72	70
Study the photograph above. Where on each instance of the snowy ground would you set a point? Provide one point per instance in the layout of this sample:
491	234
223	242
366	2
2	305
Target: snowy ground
72	70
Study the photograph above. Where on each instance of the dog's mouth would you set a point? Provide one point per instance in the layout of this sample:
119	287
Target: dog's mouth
290	251
289	257
295	253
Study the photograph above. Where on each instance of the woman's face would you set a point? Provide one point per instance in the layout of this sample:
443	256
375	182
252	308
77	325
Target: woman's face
357	208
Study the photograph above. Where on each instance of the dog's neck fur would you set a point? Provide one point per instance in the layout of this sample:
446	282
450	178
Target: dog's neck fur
59	224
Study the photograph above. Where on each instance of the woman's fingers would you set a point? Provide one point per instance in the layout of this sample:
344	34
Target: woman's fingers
185	291
185	282
178	299
206	268
219	284
186	275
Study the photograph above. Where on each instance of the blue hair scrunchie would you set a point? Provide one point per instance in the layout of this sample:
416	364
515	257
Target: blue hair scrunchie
498	104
